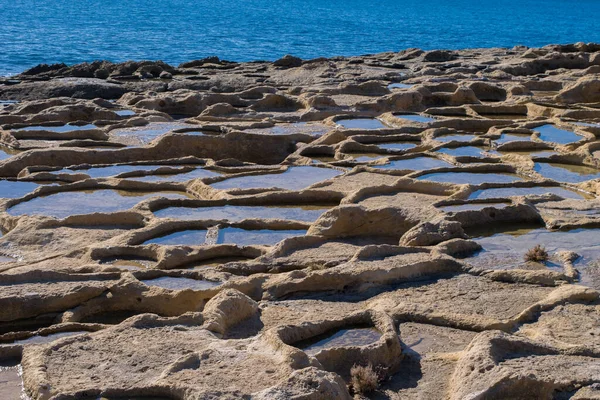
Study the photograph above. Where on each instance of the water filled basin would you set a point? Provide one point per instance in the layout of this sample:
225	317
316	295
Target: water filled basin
467	151
64	204
238	213
245	237
295	178
530	191
341	338
550	133
415	118
415	164
473	178
361	123
176	283
397	146
566	172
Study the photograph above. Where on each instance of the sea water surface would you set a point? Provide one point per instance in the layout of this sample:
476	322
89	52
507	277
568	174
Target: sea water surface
73	31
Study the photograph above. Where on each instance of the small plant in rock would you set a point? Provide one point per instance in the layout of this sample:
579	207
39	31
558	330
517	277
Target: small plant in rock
364	379
537	253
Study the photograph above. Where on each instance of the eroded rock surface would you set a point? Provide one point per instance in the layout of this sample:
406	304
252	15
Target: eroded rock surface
255	230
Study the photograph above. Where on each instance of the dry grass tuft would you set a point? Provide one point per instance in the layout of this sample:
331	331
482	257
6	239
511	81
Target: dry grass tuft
363	379
537	253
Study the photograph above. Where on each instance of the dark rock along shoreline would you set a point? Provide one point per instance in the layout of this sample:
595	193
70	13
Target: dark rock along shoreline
189	230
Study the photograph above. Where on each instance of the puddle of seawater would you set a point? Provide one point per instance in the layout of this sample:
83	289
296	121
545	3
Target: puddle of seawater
473	178
415	118
5	259
142	135
58	129
457	138
16	189
513	137
415	164
397	146
244	237
113	170
6	153
48	338
525	191
566	172
366	157
313	129
399	86
341	338
506	249
295	178
129	263
11	383
198	173
468	151
361	123
190	237
550	133
125	113
472	207
175	283
64	204
237	213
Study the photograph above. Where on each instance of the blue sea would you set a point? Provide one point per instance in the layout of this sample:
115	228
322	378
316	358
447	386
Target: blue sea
73	31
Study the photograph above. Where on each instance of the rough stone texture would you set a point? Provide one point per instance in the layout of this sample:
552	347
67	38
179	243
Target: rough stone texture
218	219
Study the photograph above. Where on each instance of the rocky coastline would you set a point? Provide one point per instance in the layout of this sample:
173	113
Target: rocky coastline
408	225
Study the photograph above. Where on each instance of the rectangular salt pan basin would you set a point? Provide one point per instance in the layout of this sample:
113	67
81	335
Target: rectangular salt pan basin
473	178
295	178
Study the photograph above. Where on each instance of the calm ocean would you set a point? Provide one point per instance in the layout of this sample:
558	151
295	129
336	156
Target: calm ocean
72	31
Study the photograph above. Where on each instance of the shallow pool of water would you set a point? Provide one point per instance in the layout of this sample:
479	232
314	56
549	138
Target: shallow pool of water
238	213
397	146
244	237
125	113
415	118
415	164
468	151
5	259
190	237
361	123
341	338
513	137
64	204
175	283
530	191
506	249
109	171
550	133
457	138
473	178
566	172
58	129
142	135
295	178
472	207
366	157
198	173
399	86
129	263
49	338
16	189
11	383
309	128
